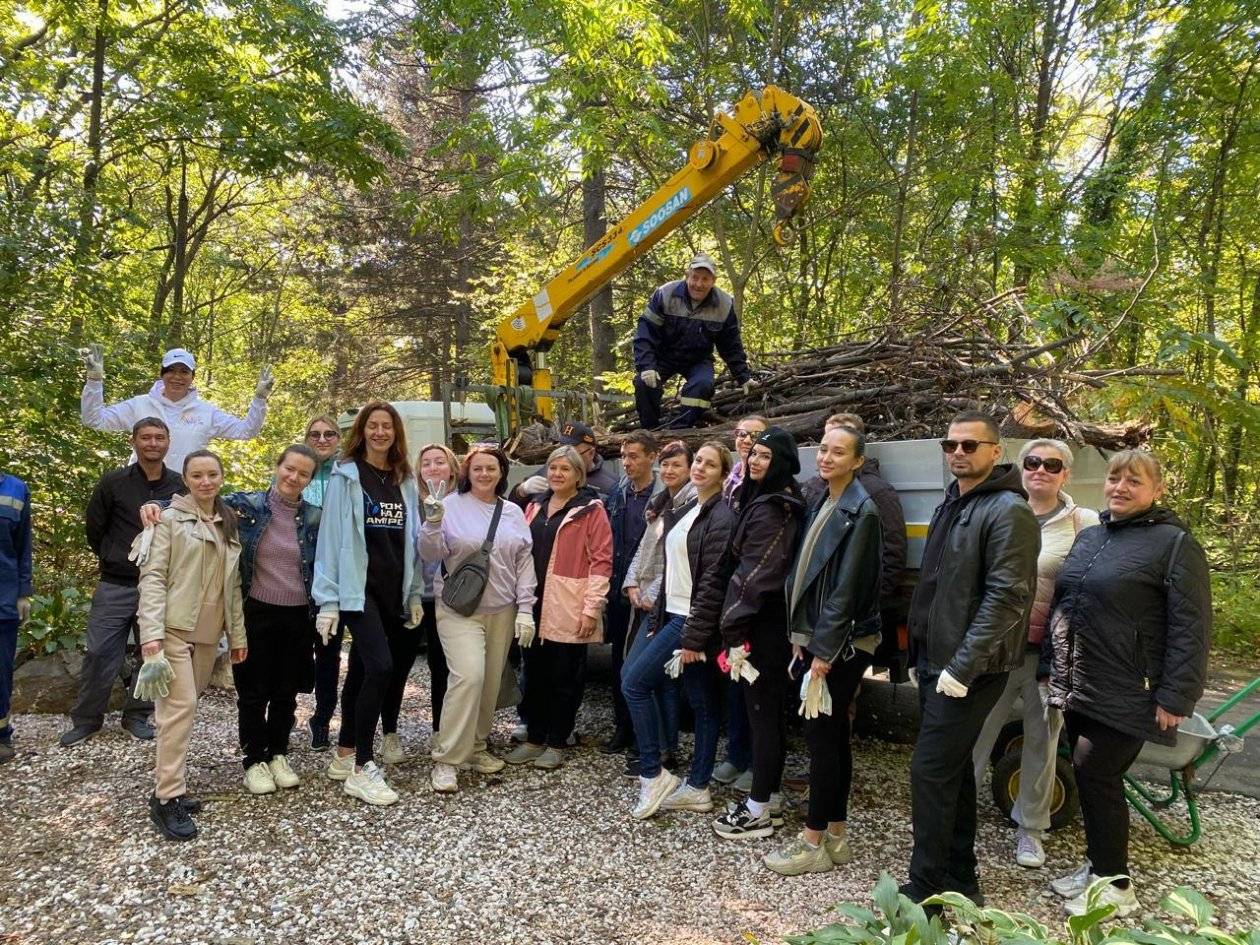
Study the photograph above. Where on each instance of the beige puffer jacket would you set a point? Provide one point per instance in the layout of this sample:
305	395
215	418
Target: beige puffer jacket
1057	537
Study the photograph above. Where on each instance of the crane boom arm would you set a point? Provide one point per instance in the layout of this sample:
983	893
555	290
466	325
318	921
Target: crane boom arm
774	122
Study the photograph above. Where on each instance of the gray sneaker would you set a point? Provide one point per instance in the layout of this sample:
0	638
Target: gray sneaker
799	857
689	798
524	753
744	782
1072	884
725	773
549	760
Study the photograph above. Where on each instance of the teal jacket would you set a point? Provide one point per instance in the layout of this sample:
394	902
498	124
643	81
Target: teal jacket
341	552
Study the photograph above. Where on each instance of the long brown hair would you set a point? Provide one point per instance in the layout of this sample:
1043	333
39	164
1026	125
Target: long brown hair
355	445
221	508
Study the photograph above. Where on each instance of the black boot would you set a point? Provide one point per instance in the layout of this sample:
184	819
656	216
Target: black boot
139	728
319	735
171	817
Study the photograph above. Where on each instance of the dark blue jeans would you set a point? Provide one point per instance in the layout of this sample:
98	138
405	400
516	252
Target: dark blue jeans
643	678
698	685
666	697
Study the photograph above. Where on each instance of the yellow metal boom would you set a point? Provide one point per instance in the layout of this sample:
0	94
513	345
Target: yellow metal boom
773	122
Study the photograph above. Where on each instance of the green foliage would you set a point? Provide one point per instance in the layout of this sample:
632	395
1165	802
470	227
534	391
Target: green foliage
1236	612
58	622
898	921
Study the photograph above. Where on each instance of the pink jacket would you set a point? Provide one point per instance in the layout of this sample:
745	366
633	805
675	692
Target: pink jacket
577	574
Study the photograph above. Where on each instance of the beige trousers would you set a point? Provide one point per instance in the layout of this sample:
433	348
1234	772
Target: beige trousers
476	649
174	714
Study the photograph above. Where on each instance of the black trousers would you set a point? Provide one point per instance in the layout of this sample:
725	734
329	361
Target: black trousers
617	627
435	656
554	673
943	785
327	675
830	751
1100	757
277	668
404	645
371	670
766	700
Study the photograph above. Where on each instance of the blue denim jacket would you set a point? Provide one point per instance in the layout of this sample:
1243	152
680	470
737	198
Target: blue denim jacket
252	515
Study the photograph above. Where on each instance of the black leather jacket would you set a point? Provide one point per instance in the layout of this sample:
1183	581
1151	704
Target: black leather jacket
976	586
1131	623
839	602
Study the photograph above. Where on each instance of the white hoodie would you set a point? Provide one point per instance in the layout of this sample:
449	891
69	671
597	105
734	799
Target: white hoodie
194	422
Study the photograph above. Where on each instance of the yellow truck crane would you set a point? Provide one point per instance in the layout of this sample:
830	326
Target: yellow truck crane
771	123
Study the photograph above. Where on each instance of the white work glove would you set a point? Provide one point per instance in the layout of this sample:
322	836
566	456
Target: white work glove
94	360
747	386
140	545
24	609
950	686
266	381
417	614
525	630
674	665
326	624
534	485
1043	690
650	379
154	678
737	657
433	507
815	697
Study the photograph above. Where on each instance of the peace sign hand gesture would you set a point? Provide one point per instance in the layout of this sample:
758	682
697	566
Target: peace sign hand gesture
433	508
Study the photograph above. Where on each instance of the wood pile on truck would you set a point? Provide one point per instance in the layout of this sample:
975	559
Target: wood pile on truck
907	384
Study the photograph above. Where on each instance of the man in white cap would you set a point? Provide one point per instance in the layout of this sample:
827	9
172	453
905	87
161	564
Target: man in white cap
683	322
193	421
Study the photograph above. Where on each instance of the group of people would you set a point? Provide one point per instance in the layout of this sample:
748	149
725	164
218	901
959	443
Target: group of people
726	588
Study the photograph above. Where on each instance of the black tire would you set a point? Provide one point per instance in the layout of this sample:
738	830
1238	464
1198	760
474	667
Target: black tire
1064	802
1010	739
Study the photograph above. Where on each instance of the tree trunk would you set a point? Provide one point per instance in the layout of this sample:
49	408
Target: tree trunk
603	332
85	239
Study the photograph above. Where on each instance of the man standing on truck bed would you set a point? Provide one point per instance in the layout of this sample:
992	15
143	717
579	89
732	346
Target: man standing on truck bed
968	620
682	323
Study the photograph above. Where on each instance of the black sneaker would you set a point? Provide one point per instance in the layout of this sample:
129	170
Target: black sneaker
172	819
319	735
139	728
80	733
738	823
620	741
190	804
633	766
6	752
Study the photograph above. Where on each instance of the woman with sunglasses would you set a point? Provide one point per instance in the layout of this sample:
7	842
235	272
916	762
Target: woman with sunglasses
746	430
323	436
754	618
1046	467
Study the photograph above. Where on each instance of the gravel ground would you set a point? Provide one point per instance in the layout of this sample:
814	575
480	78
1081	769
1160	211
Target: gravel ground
523	856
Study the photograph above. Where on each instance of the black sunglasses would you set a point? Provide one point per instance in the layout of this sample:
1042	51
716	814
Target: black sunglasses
968	446
1051	464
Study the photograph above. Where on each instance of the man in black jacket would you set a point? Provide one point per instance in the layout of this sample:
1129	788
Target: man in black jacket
968	619
113	522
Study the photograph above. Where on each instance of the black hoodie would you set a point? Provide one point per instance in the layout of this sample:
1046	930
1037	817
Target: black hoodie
1131	623
977	580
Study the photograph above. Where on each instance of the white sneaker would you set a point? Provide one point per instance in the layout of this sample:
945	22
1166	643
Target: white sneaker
485	763
392	750
1070	885
368	784
690	798
1125	901
444	778
652	792
282	774
258	779
340	768
1028	850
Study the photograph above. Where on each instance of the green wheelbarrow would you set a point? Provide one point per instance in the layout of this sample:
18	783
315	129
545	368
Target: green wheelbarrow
1200	741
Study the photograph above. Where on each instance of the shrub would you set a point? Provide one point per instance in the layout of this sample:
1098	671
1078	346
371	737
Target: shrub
58	622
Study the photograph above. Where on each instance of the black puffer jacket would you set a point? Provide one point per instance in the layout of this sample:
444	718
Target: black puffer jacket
1131	623
978	579
705	543
839	600
747	586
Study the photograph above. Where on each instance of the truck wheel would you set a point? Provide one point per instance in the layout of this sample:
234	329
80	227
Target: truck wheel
1010	739
1063	798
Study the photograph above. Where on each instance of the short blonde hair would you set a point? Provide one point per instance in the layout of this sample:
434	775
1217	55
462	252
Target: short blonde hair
1140	460
573	458
451	461
1057	445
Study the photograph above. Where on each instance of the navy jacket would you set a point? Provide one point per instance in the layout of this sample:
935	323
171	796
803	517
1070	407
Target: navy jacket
675	333
15	544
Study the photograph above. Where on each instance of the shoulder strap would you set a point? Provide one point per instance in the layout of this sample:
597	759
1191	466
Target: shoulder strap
494	525
1172	557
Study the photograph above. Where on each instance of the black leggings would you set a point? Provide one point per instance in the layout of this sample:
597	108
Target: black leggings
553	690
278	667
435	656
404	644
1100	757
830	754
369	675
766	700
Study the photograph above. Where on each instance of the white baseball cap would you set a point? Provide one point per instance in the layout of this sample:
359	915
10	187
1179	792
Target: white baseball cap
179	356
702	261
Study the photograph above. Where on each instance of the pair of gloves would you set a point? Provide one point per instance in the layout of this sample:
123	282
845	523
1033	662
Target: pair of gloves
734	662
94	360
327	621
674	665
652	379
